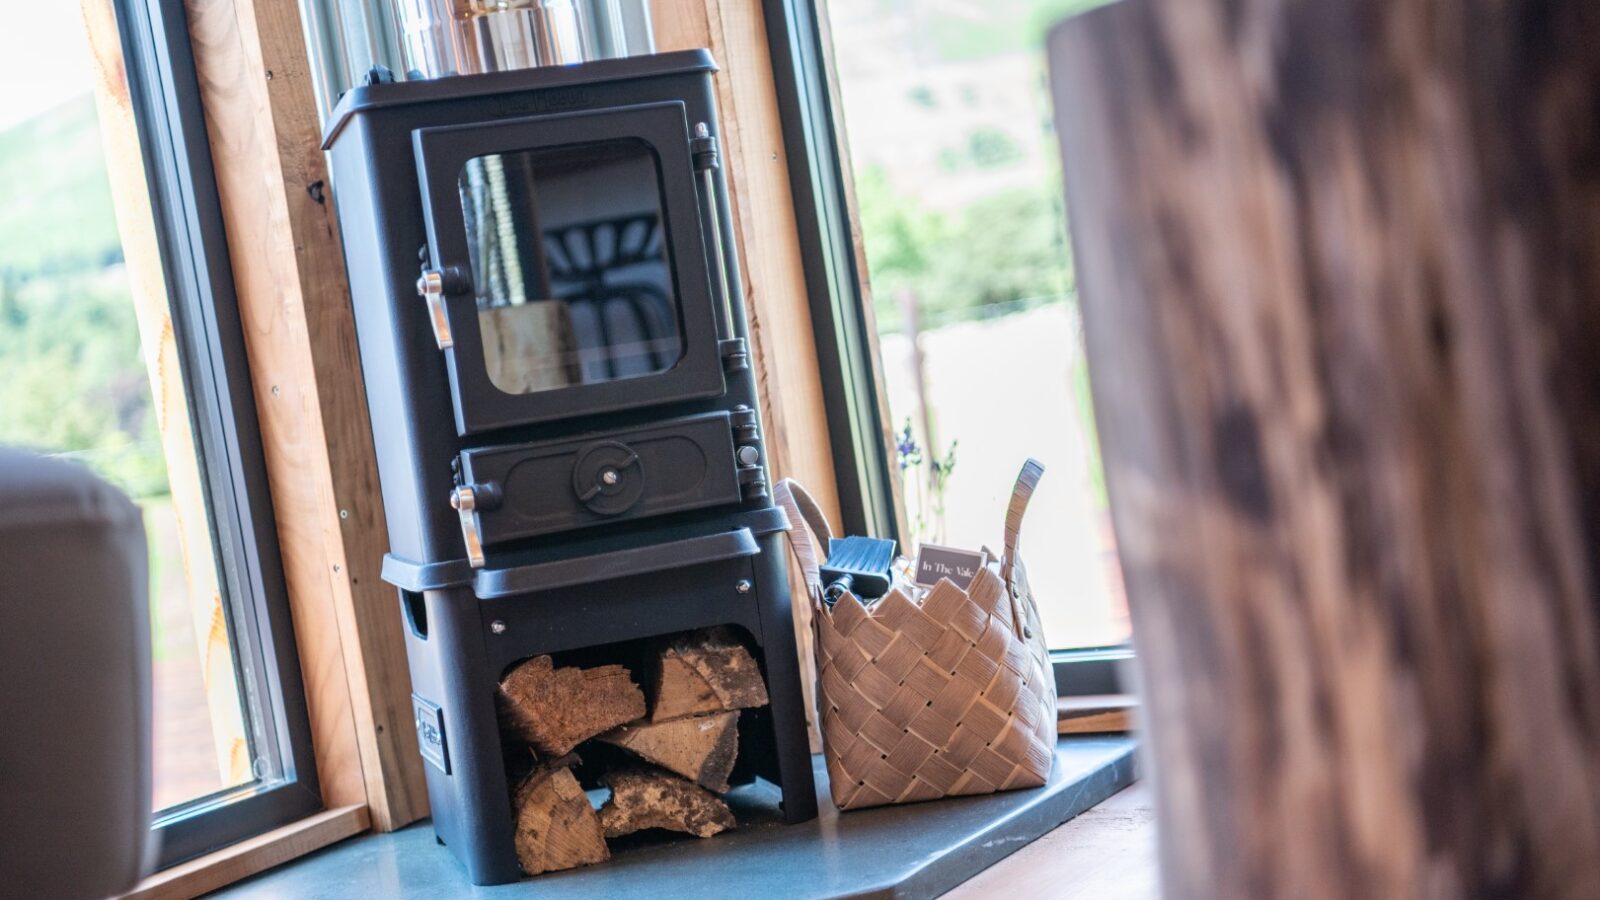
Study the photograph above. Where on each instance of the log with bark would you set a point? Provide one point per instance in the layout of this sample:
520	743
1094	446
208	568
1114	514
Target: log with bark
687	741
556	827
701	748
705	672
645	798
557	709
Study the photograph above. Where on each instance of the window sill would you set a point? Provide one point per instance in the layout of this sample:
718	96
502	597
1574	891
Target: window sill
918	850
1096	714
246	858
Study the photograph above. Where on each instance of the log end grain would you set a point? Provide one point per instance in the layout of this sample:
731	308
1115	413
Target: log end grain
556	827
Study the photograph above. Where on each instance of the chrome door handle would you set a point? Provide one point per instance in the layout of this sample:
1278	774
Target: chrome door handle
465	501
430	286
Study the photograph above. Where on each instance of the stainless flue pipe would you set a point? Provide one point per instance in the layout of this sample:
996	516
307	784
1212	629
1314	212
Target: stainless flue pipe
450	37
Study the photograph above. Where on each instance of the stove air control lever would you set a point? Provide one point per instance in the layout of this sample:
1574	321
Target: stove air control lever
432	286
465	502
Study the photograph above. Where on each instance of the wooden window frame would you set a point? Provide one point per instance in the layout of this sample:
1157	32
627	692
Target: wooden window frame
216	179
192	342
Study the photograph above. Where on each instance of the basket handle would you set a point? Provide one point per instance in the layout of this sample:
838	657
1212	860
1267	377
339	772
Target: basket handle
808	530
1021	493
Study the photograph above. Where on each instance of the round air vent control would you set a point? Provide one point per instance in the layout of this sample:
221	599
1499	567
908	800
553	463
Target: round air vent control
608	477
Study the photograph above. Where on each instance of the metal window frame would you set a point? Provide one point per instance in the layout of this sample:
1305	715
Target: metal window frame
174	144
834	285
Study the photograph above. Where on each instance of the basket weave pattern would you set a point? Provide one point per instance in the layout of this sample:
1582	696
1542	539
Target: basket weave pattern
955	695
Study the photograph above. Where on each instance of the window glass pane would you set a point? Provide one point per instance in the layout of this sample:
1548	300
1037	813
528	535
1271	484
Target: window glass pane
959	191
89	371
570	265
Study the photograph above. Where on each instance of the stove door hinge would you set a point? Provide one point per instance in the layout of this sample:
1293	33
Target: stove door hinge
735	354
747	452
703	149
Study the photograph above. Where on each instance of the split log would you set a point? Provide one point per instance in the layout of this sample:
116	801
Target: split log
556	826
709	671
556	709
643	799
701	749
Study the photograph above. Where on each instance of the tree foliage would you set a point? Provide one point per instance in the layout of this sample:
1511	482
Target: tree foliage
1006	247
71	377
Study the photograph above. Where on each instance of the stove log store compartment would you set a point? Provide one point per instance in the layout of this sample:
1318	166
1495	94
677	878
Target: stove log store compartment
552	335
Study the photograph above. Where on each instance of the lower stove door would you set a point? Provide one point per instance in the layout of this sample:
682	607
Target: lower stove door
528	490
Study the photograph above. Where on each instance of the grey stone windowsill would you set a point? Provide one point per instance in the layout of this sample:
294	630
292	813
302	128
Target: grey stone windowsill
918	850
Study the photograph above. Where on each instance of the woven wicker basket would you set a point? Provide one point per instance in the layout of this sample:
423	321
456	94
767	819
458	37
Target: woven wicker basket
953	694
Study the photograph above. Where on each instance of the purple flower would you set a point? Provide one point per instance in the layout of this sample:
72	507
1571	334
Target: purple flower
906	448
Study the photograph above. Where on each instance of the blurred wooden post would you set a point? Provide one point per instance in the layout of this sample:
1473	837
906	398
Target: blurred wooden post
1339	265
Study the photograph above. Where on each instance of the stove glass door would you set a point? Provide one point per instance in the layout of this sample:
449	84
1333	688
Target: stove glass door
569	265
582	282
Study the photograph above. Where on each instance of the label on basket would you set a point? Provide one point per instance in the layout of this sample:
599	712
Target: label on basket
935	562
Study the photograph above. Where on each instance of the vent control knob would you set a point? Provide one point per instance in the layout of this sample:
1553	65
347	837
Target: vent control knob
608	477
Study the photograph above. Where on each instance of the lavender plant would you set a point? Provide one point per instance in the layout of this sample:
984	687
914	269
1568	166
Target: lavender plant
929	482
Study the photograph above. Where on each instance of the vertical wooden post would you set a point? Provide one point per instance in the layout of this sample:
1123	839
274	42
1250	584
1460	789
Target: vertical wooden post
764	226
255	85
782	345
1339	265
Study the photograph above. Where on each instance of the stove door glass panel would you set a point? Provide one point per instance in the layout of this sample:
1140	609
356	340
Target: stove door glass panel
570	265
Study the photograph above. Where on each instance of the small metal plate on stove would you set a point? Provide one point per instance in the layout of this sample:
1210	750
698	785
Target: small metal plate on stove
430	732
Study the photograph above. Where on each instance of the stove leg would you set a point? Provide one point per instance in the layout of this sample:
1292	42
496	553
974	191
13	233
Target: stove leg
792	742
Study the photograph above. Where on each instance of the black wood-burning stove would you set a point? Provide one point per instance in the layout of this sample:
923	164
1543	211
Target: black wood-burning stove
553	341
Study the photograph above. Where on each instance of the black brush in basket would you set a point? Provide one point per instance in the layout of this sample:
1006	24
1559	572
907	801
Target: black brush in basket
860	565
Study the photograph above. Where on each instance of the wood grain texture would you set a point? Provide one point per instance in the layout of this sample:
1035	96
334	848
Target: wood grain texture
556	709
706	671
782	347
130	194
702	749
1338	265
299	333
1107	853
246	858
1096	714
556	827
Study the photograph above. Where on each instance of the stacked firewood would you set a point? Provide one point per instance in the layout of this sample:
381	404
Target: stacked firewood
681	746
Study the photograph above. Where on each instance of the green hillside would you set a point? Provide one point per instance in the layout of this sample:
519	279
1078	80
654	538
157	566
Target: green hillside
71	377
55	202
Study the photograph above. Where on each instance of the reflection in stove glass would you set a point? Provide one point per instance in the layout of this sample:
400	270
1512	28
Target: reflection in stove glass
570	266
